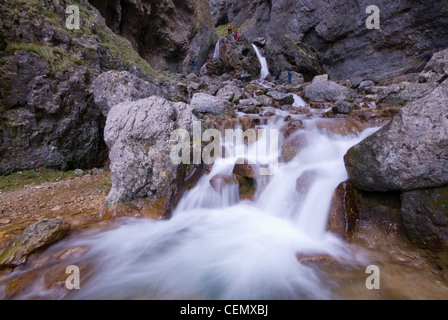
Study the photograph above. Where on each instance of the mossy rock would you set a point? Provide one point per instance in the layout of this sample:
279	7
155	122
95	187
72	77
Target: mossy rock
36	237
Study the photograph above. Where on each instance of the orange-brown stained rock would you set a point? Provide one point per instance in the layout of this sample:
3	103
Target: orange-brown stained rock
245	170
248	122
343	211
318	258
219	181
293	145
343	127
19	284
74	252
291	127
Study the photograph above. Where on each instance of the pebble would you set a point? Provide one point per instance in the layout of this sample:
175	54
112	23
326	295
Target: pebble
57	208
5	221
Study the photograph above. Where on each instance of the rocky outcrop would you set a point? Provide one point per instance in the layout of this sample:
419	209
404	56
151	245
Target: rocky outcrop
167	33
425	217
138	135
48	120
36	237
236	58
410	32
48	117
112	88
410	155
410	152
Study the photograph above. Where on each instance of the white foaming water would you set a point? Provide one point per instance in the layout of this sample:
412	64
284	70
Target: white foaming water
218	247
263	62
298	102
217	49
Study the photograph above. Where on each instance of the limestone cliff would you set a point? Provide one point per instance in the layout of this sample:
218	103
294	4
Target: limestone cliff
410	32
48	117
168	33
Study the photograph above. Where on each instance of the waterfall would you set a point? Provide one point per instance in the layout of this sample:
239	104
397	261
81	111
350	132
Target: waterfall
217	246
217	49
263	62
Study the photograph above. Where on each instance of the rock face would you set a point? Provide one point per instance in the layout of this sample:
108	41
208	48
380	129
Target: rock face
234	57
425	217
337	30
167	33
36	237
111	88
47	122
48	117
138	136
410	152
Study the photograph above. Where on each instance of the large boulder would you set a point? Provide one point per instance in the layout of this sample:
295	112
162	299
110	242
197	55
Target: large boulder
229	91
204	105
111	88
138	135
410	152
281	98
425	217
34	238
322	89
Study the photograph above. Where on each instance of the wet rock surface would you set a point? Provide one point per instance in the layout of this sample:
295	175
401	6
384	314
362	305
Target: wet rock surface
38	236
409	152
425	217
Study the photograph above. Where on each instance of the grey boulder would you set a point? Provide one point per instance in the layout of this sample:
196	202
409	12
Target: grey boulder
204	105
111	88
410	152
322	89
138	135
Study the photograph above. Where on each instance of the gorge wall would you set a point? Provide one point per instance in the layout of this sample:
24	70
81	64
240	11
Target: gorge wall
410	32
168	33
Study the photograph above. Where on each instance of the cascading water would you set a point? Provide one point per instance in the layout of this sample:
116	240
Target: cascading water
216	54
263	62
217	246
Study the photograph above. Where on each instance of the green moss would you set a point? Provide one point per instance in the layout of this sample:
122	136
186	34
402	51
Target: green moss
247	186
91	28
19	180
222	30
106	185
56	58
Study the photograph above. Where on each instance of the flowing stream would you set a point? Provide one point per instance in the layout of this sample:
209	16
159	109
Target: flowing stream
217	246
